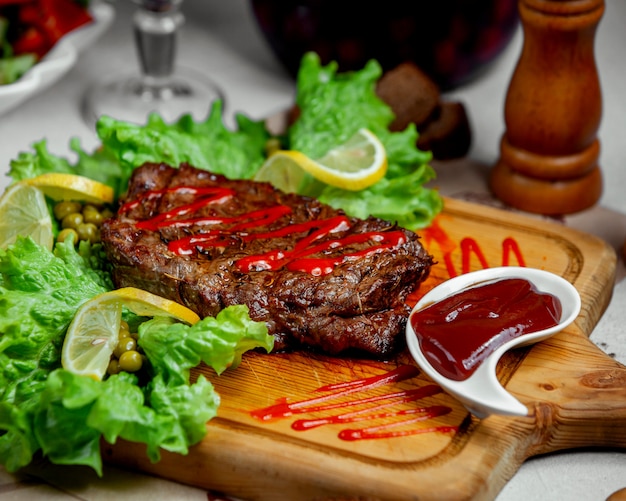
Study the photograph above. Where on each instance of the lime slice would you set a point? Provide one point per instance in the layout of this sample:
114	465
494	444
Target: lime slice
94	332
358	163
60	186
23	212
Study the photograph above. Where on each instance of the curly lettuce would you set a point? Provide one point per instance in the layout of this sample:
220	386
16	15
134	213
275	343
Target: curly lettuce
125	146
44	408
237	154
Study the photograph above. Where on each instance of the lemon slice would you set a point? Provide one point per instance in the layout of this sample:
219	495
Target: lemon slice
59	186
284	171
91	337
93	333
358	163
146	304
23	212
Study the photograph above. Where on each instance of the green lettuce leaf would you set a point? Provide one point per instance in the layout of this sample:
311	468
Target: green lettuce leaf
59	420
39	293
39	161
206	145
100	165
17	443
333	106
125	146
174	348
46	408
73	413
189	408
403	200
12	68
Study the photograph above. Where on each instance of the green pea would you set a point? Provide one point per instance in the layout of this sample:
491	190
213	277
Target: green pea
124	333
62	209
72	220
106	213
92	215
89	232
64	235
131	361
125	344
113	367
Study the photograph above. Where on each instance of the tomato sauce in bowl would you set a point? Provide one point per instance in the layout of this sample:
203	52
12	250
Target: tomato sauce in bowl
459	330
457	333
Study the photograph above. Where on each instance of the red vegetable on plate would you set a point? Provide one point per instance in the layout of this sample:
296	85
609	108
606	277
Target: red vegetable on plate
34	27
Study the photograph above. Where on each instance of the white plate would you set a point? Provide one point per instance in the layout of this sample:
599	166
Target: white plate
58	61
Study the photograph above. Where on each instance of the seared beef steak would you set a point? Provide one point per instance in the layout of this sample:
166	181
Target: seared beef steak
314	275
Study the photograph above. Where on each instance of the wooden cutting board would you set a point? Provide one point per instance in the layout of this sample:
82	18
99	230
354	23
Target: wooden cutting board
301	426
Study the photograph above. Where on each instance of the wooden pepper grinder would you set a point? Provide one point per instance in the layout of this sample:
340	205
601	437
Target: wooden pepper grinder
549	153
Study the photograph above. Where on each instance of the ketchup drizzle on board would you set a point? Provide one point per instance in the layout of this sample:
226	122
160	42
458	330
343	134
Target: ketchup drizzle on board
468	247
339	397
234	229
457	333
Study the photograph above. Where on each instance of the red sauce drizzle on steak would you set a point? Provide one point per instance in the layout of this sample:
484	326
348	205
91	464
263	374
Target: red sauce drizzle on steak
314	275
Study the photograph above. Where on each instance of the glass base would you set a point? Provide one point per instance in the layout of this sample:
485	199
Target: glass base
133	98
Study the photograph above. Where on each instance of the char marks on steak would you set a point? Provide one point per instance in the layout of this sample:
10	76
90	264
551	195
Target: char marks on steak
315	276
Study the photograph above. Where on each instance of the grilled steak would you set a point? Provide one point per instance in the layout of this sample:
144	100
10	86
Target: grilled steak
315	276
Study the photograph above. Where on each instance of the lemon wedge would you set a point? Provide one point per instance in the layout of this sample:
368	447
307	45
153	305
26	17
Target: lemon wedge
24	212
60	186
93	333
358	163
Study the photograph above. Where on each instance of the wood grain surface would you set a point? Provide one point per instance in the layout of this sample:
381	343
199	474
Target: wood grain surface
306	426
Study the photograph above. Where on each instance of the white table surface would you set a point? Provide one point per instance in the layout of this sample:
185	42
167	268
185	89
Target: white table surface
221	39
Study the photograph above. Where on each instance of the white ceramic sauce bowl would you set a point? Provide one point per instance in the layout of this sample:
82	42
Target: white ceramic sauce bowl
481	393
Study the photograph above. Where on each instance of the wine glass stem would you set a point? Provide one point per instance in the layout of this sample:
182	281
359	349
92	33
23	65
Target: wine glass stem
155	36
